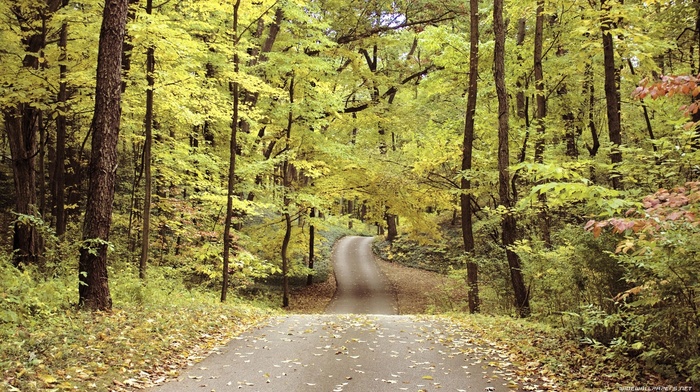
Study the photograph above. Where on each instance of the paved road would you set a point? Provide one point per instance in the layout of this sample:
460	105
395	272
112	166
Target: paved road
359	347
362	288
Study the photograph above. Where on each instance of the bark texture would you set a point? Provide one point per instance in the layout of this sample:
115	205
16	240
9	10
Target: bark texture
467	147
93	285
612	94
508	224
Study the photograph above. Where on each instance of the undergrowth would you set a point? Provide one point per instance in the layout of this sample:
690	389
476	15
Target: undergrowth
544	355
156	328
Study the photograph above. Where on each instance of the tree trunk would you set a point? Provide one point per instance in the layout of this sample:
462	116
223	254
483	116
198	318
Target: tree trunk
589	88
521	105
540	116
59	175
312	234
233	147
21	136
540	99
508	224
391	229
93	284
150	69
612	96
22	123
287	217
467	147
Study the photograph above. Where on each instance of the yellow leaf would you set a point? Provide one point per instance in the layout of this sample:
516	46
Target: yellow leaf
47	378
427	377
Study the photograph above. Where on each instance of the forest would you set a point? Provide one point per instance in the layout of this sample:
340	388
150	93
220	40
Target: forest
163	157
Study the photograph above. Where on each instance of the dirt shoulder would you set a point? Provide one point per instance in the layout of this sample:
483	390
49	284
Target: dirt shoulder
420	292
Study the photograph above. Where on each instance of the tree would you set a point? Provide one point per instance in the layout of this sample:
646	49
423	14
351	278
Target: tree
60	165
23	120
150	70
93	286
467	150
233	148
508	222
612	89
540	116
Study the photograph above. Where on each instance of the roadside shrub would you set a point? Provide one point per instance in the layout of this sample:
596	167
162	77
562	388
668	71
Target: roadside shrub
660	254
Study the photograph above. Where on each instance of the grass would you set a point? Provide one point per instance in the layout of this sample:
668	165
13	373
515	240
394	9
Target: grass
153	331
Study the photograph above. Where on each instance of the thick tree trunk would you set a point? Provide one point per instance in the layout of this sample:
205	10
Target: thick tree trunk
145	236
21	126
508	224
391	229
93	284
467	147
612	96
233	147
127	47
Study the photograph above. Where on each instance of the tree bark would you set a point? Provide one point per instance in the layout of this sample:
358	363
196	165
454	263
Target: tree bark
612	95
589	88
540	116
233	147
540	99
59	175
22	124
148	185
508	223
467	147
312	234
287	217
93	287
391	229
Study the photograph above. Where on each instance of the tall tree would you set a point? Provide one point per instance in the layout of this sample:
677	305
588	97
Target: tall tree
286	188
93	287
22	123
508	223
540	116
467	147
150	70
233	148
612	90
59	175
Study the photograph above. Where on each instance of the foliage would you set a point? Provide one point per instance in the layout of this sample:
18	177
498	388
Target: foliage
372	94
660	255
46	343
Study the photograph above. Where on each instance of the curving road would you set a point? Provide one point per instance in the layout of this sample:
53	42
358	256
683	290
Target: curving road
362	289
360	346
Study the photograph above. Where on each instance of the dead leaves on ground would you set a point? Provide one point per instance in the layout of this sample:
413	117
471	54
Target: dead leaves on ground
123	350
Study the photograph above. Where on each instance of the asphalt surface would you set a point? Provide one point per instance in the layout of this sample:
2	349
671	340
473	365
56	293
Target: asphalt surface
360	345
361	287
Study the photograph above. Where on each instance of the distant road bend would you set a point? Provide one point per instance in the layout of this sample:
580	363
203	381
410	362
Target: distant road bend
362	288
359	345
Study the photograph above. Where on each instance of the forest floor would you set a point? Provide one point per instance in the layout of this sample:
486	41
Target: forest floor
134	347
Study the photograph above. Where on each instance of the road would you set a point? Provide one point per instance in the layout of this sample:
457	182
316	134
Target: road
359	345
361	287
